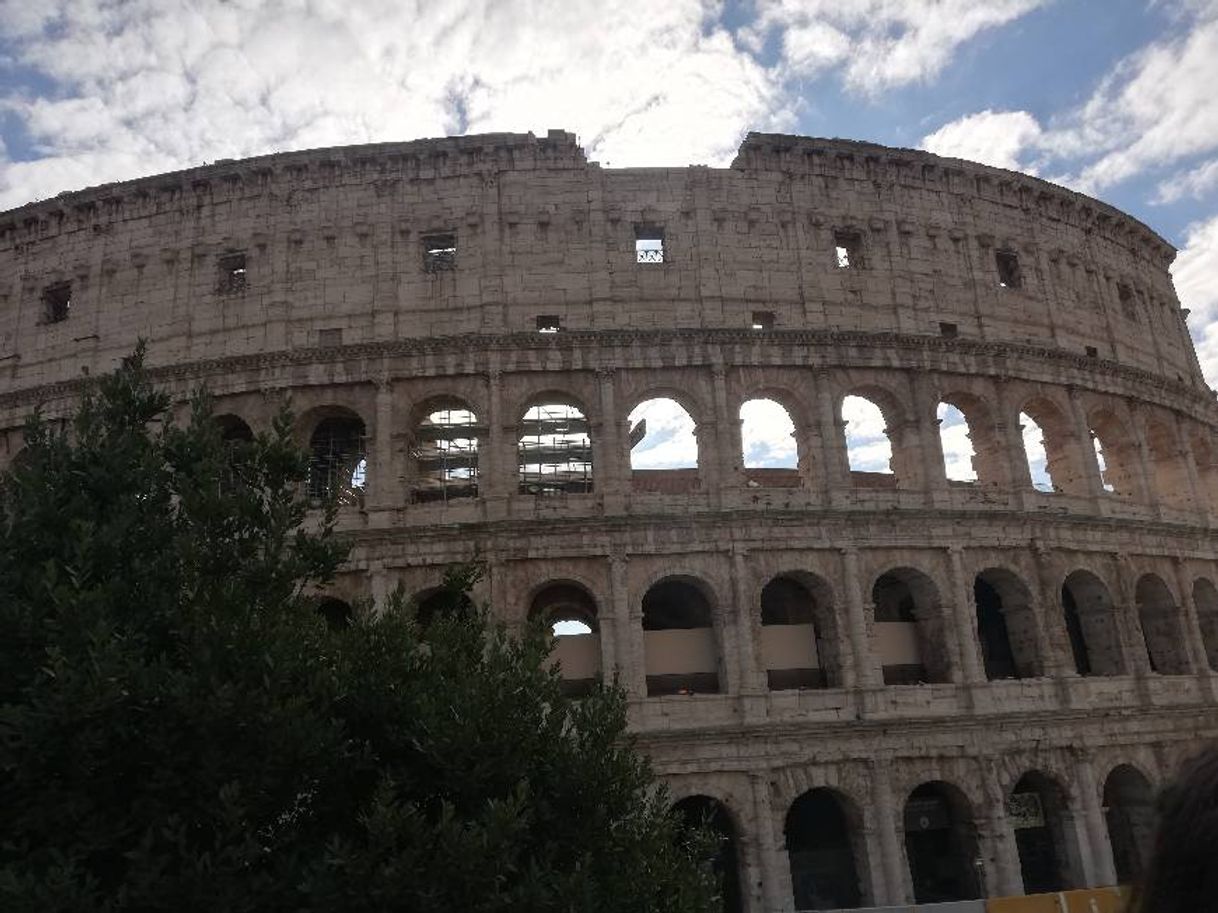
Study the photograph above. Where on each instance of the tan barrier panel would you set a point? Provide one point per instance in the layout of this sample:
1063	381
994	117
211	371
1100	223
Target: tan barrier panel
1094	900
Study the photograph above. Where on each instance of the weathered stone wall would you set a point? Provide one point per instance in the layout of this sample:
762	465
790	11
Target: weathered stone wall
336	310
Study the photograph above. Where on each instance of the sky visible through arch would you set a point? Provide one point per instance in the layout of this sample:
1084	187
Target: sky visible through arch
1111	98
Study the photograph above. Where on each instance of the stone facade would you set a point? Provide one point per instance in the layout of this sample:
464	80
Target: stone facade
948	649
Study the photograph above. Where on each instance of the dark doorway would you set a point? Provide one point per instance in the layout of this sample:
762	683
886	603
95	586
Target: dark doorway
699	811
823	872
992	631
1130	813
941	844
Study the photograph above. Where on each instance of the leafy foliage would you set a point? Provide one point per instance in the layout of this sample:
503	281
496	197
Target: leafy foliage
180	729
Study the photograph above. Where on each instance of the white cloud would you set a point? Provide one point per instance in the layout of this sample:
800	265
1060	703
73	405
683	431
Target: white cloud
1194	273
768	435
956	444
148	85
670	442
867	446
992	137
1194	183
881	43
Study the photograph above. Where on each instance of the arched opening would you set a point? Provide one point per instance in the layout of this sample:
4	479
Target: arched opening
233	429
338	614
1091	625
941	844
1006	625
554	450
1054	463
1205	598
1036	809
909	628
338	459
822	847
1115	453
1159	618
868	446
1168	470
770	446
956	443
663	447
569	611
798	637
441	602
444	448
724	863
1130	813
680	652
1206	460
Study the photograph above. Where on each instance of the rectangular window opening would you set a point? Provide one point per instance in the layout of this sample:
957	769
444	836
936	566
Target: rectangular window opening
232	273
439	252
1093	352
648	244
948	330
1007	262
548	323
763	320
848	249
57	302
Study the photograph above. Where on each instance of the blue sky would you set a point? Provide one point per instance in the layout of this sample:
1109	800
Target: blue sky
1111	97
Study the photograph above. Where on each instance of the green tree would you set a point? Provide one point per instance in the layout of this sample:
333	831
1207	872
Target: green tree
181	730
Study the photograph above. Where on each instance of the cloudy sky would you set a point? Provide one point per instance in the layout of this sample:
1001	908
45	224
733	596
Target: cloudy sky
1112	97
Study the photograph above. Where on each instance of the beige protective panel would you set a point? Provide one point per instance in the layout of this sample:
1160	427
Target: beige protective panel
896	642
680	652
789	647
580	655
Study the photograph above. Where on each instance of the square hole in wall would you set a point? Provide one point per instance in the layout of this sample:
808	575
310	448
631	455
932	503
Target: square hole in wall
1093	352
948	330
1009	275
56	302
549	323
848	249
439	251
232	270
763	320
329	338
648	244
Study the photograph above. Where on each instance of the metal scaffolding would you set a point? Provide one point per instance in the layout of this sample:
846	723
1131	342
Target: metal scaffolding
555	451
445	455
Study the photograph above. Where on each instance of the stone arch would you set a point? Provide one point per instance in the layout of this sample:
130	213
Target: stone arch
1205	458
445	436
699	810
1168	469
439	602
873	419
680	648
1205	598
570	611
1159	617
800	642
941	844
1039	814
554	446
910	628
1063	470
770	453
233	428
825	850
1006	625
1116	452
337	613
981	455
338	454
663	442
1090	617
1129	812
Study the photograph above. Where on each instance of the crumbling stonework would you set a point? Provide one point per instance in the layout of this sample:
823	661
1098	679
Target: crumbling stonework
982	672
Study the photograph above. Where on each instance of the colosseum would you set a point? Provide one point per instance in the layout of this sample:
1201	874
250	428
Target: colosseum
927	676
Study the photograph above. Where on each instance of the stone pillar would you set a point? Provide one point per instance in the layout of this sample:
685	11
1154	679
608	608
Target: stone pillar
1009	431
776	888
1098	867
834	463
1145	476
1082	430
752	671
1004	875
1200	502
496	461
898	888
629	634
926	432
381	469
610	470
866	665
1058	657
1129	626
964	619
1190	623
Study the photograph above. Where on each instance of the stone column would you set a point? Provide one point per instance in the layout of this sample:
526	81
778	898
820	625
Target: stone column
1082	430
1200	502
964	619
629	634
1145	476
1058	658
776	888
1190	623
752	671
610	474
381	469
1009	431
1129	626
1098	867
898	888
926	431
496	461
1004	876
835	467
866	665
